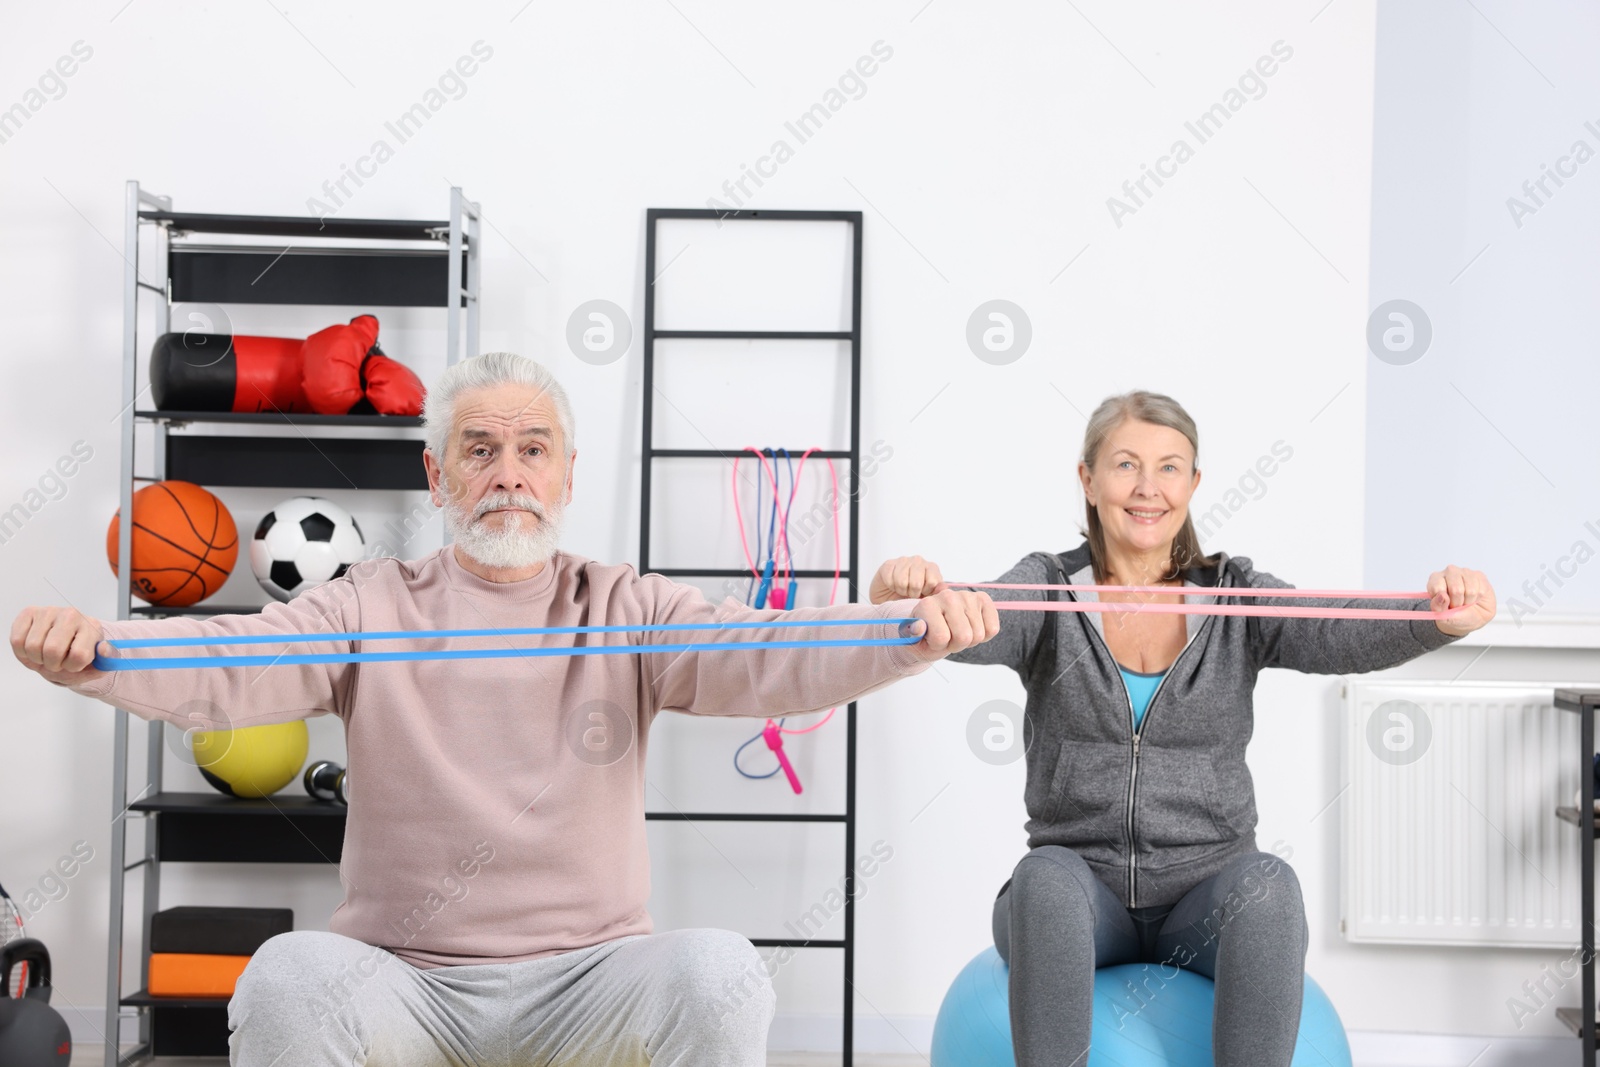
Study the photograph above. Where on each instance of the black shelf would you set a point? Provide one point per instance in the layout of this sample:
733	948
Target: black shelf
1571	815
142	999
279	417
185	1026
203	611
205	828
356	277
1579	700
210	803
302	462
300	226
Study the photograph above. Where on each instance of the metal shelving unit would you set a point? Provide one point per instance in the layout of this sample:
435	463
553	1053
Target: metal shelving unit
1582	1020
848	573
439	269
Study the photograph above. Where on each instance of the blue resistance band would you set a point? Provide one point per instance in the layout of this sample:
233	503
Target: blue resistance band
121	663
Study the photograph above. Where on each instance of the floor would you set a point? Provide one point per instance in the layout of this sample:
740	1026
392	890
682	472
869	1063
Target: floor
94	1056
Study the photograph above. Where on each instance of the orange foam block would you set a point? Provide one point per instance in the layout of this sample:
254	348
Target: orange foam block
181	974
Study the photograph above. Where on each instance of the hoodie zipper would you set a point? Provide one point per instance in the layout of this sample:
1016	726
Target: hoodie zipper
1138	733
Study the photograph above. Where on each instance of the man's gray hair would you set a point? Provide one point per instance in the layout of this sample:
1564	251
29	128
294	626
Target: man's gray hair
486	372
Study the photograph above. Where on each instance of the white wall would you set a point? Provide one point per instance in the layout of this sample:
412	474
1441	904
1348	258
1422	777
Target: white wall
1486	200
983	153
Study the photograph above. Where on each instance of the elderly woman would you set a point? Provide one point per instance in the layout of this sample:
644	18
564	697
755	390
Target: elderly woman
1141	813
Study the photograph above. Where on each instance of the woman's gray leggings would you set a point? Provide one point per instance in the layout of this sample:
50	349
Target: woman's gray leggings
1244	928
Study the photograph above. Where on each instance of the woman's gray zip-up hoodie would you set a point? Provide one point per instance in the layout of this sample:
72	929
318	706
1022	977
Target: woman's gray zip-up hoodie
1157	811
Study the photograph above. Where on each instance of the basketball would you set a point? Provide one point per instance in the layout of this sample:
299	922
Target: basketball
184	544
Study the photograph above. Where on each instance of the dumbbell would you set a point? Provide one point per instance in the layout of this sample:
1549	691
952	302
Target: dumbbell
326	780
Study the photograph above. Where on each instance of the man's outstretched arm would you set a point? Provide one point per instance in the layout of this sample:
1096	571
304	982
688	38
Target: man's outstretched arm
792	681
59	644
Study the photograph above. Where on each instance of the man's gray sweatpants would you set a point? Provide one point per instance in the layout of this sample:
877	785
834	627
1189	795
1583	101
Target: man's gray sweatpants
311	999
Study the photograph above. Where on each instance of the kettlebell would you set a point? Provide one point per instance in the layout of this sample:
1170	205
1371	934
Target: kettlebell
32	1033
325	780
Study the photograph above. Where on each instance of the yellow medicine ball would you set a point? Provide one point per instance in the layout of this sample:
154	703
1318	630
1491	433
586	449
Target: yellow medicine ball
252	761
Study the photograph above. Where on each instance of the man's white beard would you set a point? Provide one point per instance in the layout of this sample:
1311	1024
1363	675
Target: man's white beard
520	542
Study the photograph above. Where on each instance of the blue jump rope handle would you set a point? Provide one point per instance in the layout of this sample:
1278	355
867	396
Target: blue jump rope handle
766	586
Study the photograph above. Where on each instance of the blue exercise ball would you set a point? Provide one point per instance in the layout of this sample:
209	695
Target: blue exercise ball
1144	1016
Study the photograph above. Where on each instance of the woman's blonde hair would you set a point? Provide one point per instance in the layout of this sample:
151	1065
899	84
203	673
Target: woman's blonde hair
1159	410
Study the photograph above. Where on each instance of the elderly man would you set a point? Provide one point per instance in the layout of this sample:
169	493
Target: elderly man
495	863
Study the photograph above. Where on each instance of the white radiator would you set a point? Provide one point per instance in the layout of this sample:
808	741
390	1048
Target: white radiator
1449	827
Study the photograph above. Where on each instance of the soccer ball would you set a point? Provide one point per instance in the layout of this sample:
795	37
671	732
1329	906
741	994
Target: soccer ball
303	542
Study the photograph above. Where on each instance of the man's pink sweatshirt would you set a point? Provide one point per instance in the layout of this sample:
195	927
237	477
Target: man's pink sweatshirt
497	805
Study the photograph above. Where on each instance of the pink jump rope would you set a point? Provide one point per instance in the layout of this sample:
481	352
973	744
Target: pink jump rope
773	590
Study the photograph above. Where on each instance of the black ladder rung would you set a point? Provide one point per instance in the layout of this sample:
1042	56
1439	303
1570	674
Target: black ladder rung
752	335
717	453
715	213
688	572
742	816
791	942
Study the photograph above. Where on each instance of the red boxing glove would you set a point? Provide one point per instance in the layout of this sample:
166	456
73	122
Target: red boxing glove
268	375
392	388
333	359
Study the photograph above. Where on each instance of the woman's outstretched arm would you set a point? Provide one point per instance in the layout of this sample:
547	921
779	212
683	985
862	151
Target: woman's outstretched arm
1356	646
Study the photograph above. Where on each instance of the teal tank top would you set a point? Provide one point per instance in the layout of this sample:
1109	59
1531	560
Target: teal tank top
1141	687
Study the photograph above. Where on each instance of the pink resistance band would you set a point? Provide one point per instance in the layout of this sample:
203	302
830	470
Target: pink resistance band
1294	611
